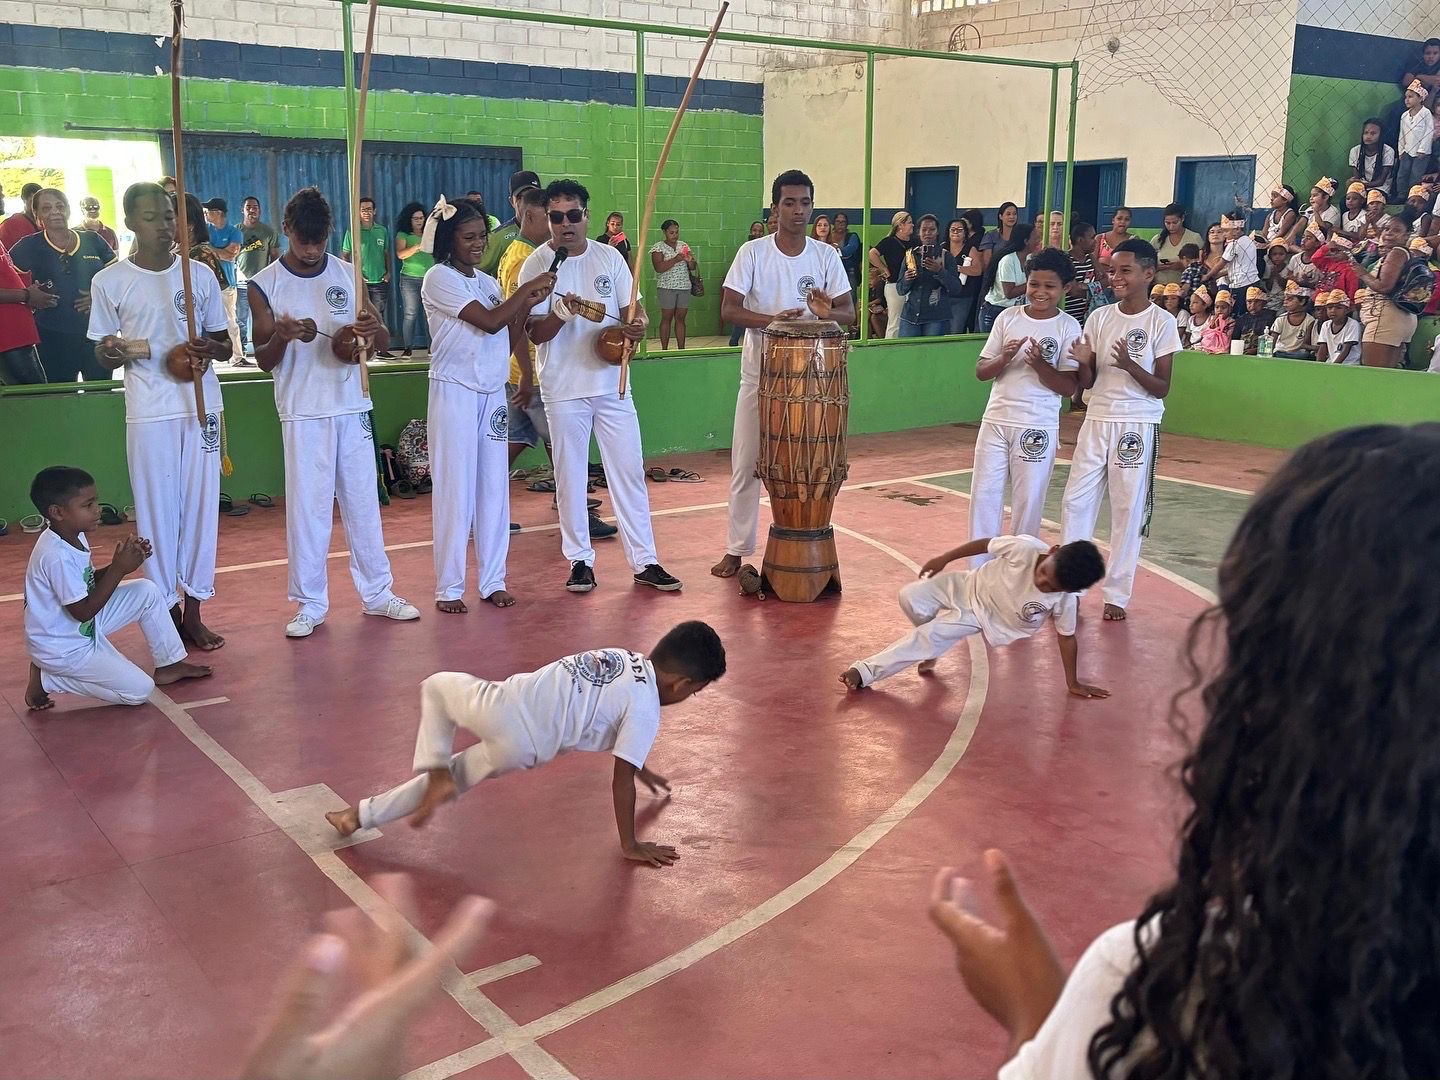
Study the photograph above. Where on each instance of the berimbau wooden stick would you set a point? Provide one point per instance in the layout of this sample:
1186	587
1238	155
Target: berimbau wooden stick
655	187
182	217
356	243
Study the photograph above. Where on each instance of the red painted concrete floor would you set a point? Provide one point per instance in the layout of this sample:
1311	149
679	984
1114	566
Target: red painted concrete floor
150	898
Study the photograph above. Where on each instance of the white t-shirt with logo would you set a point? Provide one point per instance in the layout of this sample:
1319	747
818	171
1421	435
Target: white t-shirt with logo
568	365
58	574
1116	395
1004	599
1334	340
771	281
311	382
137	304
1017	396
459	352
605	699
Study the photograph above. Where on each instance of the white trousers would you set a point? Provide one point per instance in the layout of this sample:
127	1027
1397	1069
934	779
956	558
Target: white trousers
1119	456
941	619
745	486
101	671
449	700
328	460
1023	456
469	435
236	349
617	430
894	305
175	476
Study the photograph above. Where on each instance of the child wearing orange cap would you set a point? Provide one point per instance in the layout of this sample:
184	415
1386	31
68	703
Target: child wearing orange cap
1215	337
1336	265
1171	300
1320	209
1302	269
1375	214
1352	221
1157	295
1191	323
1256	321
1339	341
1277	261
1295	339
1417	138
1417	203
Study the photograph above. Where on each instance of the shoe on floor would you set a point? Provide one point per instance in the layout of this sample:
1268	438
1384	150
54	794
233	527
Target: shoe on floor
655	576
397	609
514	526
386	355
582	578
601	530
302	625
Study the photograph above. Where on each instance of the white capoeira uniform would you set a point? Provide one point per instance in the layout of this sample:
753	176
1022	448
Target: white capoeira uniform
174	461
78	658
1021	426
468	431
582	396
329	445
770	282
999	600
1115	449
601	700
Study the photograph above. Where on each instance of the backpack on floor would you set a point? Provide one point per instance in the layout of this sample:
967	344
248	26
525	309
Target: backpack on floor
412	453
1414	286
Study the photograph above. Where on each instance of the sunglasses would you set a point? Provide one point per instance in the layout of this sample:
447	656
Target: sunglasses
573	216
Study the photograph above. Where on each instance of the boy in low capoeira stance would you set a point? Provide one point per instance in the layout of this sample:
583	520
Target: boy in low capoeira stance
308	334
1028	357
1006	599
70	610
606	699
1125	356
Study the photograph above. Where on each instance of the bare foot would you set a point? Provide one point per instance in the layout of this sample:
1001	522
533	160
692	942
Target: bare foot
729	566
451	607
1114	613
926	667
345	821
500	598
196	632
851	678
441	789
36	699
176	672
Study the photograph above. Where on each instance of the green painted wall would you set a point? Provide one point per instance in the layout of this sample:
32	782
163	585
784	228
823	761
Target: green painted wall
1324	123
591	141
685	403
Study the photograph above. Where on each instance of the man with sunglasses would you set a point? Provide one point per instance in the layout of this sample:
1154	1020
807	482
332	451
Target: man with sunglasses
90	208
582	392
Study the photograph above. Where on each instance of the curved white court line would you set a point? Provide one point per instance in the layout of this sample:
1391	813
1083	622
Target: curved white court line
506	1036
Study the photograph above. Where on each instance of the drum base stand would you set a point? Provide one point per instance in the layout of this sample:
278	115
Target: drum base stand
800	564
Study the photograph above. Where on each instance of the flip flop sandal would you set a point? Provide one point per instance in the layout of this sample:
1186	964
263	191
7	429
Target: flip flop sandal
685	476
546	486
129	511
4	527
657	474
110	515
260	499
226	503
404	489
598	482
33	524
424	487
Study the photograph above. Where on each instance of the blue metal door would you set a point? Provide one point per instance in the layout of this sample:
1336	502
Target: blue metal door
1111	181
932	191
1210	187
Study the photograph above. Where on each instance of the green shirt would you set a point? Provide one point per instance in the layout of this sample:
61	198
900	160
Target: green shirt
374	252
416	264
499	240
256	243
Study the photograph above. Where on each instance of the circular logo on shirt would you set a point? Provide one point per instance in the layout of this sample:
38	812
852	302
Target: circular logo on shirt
494	299
604	288
803	286
1034	443
1032	613
368	426
1136	341
1130	448
500	423
337	298
180	301
210	437
1049	349
600	667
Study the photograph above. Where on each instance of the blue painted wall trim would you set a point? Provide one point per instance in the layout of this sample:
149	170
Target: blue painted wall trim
136	54
1341	54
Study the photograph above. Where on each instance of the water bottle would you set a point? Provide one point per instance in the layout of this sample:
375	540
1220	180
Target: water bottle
1266	346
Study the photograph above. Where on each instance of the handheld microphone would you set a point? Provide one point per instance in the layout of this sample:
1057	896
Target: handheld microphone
560	256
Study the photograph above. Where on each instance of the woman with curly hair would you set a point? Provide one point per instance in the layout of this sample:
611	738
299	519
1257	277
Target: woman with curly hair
1300	937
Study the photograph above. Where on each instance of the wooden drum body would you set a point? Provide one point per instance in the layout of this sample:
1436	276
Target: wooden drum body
804	408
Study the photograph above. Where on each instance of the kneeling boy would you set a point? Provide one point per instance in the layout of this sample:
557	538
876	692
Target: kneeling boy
606	699
1006	599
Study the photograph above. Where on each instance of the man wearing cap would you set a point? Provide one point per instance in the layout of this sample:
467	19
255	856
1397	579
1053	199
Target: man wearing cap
90	208
501	238
225	242
259	247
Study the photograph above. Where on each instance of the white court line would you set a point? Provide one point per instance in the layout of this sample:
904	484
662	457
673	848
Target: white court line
191	706
496	972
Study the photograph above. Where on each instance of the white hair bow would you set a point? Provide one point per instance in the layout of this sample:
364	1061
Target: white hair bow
443	211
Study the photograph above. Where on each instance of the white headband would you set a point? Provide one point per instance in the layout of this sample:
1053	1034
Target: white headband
443	211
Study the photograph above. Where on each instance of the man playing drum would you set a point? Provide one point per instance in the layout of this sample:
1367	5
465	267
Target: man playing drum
783	275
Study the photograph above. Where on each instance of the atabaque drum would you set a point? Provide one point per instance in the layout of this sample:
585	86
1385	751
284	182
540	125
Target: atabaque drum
804	408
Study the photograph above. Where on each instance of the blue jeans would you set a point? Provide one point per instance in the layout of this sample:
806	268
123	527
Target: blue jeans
929	328
961	309
736	333
242	317
413	328
988	314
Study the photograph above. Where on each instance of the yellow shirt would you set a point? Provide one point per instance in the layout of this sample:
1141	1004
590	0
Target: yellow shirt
507	274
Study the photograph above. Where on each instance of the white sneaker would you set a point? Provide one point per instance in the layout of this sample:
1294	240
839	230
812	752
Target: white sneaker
302	625
397	609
